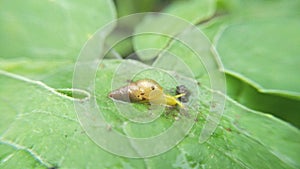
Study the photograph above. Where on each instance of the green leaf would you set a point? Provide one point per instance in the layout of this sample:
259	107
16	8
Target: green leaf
271	50
125	8
50	29
43	128
256	43
40	125
281	106
55	73
193	11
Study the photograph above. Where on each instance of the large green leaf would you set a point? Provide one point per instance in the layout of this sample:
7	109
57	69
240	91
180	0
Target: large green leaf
40	125
258	47
50	29
42	130
50	33
271	50
193	11
262	33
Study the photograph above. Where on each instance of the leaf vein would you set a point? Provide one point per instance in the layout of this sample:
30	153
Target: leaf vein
35	155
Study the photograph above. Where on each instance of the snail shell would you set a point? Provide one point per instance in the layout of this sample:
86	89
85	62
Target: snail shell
140	91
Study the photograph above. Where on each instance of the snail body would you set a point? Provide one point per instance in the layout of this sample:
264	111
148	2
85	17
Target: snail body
145	91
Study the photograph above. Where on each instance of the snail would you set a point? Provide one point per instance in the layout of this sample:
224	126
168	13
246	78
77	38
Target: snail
145	91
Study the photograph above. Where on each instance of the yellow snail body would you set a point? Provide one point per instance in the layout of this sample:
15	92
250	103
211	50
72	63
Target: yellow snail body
145	91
